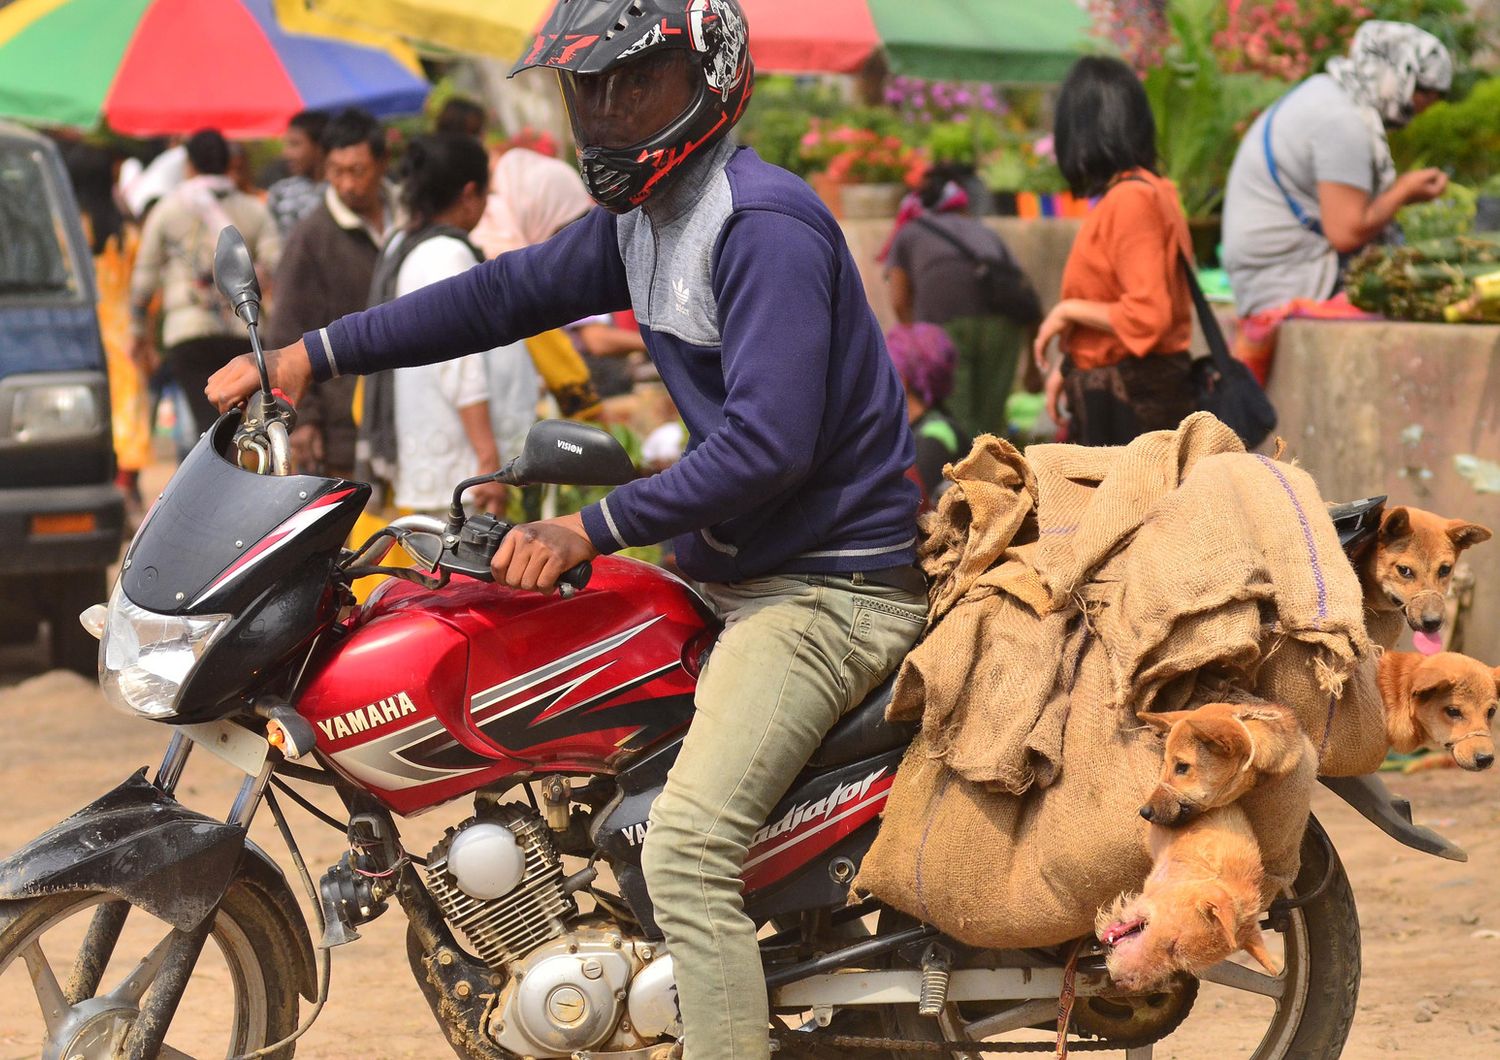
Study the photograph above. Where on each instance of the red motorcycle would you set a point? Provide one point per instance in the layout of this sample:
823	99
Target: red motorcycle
233	623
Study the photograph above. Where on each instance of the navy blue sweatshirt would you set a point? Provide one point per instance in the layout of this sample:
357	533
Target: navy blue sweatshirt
753	311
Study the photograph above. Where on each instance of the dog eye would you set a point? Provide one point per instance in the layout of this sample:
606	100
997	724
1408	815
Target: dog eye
1490	714
1405	571
1445	570
1454	713
1182	769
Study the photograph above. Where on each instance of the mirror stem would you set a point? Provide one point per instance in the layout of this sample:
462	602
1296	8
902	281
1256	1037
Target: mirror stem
260	359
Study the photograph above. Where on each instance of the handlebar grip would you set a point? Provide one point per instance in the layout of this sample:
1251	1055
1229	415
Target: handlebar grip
575	578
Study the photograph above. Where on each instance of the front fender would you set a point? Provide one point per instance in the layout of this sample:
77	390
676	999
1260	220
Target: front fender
139	844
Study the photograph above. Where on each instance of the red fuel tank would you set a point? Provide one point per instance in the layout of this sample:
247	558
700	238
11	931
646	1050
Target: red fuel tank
432	695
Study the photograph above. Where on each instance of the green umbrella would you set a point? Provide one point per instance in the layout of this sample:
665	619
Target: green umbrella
1033	41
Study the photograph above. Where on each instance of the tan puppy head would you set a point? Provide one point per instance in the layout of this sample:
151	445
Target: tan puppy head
1412	563
1146	941
1206	762
1445	700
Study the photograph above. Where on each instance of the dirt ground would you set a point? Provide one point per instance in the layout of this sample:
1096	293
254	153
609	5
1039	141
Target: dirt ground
1431	928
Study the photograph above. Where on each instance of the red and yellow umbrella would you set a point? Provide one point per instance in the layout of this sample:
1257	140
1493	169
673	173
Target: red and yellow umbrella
154	67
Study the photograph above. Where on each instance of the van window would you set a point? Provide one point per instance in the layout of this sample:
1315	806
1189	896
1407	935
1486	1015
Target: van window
35	261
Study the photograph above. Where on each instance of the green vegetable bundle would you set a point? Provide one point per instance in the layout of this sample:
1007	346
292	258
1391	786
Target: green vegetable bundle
1420	280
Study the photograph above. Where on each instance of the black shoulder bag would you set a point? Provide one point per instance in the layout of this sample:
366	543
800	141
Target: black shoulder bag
1005	289
1225	386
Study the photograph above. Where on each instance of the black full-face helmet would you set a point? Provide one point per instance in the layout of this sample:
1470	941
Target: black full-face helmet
648	85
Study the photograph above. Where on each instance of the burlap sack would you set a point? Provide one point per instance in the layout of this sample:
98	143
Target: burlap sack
993	652
1091	500
977	519
1347	727
1238	559
1168	573
995	869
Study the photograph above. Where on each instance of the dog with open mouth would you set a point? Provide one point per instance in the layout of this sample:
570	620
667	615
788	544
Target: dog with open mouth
1446	701
1406	572
1200	904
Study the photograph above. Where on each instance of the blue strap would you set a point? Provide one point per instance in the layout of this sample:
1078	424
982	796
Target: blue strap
1304	219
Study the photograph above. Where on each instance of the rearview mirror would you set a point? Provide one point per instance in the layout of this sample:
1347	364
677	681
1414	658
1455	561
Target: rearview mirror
234	273
567	453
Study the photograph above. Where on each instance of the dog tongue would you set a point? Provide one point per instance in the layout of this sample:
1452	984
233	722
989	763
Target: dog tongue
1427	643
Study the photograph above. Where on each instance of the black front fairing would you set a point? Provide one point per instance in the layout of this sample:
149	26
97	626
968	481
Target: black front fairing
220	536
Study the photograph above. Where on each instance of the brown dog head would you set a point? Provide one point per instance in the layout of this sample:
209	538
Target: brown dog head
1206	762
1412	563
1190	929
1445	700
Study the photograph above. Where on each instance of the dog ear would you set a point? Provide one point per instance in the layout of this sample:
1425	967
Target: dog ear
1395	524
1430	681
1221	914
1255	946
1223	736
1163	721
1466	535
1495	673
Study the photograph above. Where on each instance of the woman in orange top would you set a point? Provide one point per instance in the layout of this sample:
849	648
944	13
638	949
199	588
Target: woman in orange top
1125	317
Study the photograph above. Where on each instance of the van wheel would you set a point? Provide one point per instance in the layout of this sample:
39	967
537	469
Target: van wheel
61	598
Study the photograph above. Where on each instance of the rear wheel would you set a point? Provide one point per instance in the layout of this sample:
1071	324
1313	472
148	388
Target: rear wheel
242	994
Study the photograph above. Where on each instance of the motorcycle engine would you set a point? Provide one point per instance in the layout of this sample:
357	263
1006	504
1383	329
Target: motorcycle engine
572	985
499	880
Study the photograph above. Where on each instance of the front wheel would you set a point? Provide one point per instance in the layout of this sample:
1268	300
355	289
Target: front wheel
242	995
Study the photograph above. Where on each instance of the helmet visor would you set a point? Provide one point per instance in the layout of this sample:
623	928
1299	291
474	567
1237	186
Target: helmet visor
632	103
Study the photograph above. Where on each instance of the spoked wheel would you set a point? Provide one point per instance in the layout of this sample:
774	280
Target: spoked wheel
1234	1010
77	968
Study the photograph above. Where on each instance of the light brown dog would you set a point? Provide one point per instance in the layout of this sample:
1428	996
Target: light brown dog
1200	904
1220	752
1445	700
1408	569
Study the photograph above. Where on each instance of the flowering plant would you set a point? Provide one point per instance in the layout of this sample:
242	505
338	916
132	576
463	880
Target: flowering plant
1290	40
1283	39
851	155
920	101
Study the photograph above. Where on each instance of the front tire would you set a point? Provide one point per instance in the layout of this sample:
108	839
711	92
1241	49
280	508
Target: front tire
248	935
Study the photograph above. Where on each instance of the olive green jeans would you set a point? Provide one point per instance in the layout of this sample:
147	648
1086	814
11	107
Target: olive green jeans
797	651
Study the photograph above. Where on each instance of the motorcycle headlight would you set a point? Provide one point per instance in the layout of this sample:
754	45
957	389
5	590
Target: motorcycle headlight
145	658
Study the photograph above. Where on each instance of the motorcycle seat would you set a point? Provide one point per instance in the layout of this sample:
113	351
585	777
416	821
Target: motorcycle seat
864	732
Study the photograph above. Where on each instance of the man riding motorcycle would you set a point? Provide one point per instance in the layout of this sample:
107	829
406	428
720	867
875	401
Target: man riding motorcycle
791	505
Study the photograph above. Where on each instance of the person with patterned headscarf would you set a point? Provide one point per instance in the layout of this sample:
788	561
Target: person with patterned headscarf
1313	181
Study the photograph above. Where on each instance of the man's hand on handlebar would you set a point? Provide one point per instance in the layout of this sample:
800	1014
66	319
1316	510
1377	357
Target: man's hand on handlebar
533	555
232	385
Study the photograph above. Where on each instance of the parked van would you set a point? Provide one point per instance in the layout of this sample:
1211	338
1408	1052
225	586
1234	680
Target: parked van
61	516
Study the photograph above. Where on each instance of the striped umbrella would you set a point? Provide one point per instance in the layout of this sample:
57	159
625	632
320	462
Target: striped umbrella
498	28
972	40
155	67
